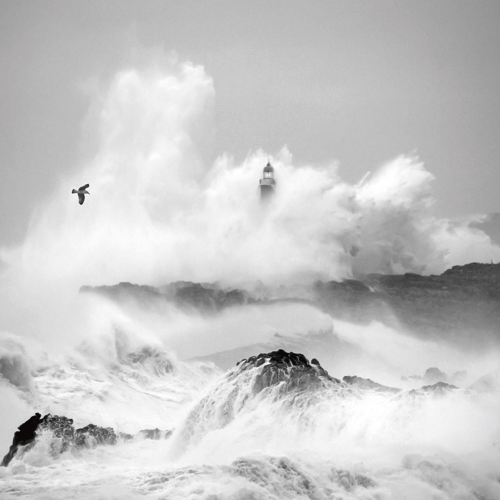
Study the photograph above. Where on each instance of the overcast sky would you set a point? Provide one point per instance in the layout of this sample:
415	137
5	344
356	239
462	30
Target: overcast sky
355	81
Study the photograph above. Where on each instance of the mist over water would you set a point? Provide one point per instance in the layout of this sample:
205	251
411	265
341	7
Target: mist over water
158	212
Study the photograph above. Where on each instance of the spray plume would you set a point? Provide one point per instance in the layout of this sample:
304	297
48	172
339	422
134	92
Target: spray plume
159	213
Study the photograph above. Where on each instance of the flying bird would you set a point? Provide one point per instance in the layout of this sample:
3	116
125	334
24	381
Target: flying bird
81	191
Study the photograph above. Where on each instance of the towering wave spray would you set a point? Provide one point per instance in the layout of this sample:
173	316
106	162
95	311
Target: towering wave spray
157	212
160	212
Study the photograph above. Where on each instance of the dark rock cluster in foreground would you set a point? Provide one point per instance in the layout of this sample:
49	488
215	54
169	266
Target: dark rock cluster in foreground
62	428
289	372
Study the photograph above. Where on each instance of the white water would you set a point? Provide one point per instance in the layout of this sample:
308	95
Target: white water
157	213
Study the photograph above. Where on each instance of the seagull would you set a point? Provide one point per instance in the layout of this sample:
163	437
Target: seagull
81	193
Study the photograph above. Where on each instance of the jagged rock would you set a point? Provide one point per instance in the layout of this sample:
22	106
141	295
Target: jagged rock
23	436
92	435
366	383
439	389
59	426
62	428
293	369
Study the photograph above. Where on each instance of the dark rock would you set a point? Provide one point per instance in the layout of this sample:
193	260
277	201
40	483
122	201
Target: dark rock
23	436
294	370
59	426
92	435
366	383
62	428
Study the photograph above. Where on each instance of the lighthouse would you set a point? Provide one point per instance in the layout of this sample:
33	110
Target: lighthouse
267	183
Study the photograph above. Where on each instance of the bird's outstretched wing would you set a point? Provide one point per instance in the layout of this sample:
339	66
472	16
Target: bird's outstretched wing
83	187
81	198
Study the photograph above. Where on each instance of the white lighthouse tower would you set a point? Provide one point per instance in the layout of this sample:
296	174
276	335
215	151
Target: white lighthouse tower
267	184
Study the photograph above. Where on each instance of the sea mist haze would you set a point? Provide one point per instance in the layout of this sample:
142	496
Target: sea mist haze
157	214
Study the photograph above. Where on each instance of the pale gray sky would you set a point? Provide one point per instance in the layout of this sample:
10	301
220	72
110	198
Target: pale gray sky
357	81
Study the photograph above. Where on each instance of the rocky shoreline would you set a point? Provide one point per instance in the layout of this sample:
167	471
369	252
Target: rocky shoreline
461	300
279	373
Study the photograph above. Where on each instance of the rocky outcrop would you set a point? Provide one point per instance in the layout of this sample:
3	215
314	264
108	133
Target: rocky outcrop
59	427
68	437
277	378
438	389
289	368
366	383
92	435
203	297
463	299
25	435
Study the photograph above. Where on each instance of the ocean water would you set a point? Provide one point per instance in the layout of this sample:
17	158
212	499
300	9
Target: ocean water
229	441
158	212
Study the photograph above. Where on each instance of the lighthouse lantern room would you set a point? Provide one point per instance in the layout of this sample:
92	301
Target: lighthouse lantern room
267	183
